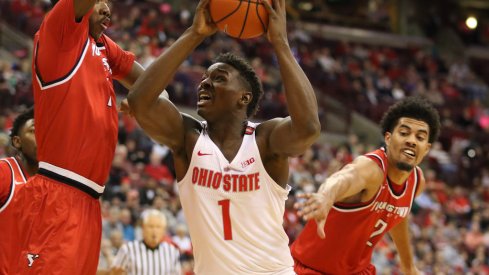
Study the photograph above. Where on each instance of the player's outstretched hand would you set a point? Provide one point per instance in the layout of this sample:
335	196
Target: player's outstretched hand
203	24
315	206
277	21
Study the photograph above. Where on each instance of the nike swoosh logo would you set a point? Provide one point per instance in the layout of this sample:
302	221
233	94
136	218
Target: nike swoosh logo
199	153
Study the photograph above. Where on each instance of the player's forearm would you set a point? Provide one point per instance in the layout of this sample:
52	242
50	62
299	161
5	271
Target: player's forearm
160	73
82	7
136	71
400	236
343	184
301	99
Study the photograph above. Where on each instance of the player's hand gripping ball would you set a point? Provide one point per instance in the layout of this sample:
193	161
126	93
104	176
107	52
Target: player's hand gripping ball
239	18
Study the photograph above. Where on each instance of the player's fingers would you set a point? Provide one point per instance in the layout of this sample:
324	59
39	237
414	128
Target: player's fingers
320	228
202	4
208	18
316	210
306	212
304	195
267	5
279	4
311	211
300	205
302	200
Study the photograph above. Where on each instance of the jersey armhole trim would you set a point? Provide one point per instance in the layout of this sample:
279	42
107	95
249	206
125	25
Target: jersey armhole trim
46	85
12	189
416	182
377	159
24	175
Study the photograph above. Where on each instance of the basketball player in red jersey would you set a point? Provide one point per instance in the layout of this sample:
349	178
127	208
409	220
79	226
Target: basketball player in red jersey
232	174
373	195
73	66
14	172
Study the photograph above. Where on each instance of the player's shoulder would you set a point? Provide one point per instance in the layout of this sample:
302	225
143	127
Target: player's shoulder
379	154
7	183
264	129
5	171
367	161
6	163
268	125
105	40
367	169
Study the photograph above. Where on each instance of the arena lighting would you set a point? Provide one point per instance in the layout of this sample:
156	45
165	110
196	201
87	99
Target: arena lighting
471	22
306	6
471	153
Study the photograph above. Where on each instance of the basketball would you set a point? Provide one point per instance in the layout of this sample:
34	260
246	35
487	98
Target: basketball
239	18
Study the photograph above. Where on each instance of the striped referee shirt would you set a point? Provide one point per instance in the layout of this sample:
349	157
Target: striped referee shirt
138	259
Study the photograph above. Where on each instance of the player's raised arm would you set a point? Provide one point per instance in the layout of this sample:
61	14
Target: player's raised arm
158	116
293	135
362	174
135	72
82	7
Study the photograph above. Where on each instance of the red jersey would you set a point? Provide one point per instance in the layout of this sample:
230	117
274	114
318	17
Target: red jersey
12	178
352	230
76	116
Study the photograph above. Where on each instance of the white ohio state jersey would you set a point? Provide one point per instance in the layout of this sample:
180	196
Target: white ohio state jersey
234	211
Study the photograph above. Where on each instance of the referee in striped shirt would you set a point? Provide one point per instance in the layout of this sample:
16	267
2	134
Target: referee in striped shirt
151	255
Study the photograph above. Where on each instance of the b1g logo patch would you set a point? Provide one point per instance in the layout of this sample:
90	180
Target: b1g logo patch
247	162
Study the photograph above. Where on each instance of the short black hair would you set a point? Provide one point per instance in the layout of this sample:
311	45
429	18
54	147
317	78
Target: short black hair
416	108
20	121
249	75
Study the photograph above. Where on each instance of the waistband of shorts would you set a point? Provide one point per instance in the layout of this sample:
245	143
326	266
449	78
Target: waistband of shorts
71	178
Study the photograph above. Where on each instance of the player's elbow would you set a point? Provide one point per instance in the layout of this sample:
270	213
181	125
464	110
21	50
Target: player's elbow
135	102
305	136
311	131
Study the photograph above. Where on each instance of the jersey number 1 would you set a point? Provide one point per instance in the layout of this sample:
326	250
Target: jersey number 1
226	219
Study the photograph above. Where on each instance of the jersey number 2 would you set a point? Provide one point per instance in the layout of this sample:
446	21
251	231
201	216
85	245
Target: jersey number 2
380	225
226	219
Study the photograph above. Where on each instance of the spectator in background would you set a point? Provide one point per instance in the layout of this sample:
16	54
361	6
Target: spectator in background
106	257
157	170
116	240
139	257
112	222
127	225
182	240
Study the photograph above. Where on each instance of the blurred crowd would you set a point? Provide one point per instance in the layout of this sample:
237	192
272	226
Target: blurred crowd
450	220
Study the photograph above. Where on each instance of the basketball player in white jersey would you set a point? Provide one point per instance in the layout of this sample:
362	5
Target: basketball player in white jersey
232	174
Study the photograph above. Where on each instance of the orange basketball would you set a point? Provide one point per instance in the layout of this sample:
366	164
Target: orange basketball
240	18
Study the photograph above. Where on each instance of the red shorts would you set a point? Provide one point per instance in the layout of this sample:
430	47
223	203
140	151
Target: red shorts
9	239
60	229
301	269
